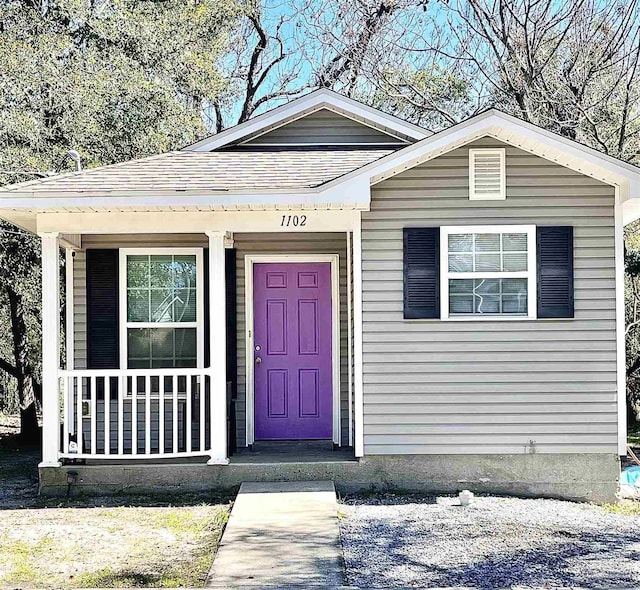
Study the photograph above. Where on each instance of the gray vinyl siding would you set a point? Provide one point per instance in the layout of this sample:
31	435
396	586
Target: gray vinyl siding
437	387
293	243
324	127
80	310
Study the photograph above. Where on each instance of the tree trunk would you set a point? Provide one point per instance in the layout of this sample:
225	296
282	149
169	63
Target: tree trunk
24	374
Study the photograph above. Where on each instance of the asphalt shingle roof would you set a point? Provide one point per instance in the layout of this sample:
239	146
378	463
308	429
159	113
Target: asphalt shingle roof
184	171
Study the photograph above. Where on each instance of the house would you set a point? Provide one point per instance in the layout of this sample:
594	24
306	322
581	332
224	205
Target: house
326	291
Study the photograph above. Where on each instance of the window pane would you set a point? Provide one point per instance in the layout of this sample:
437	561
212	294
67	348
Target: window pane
487	304
461	262
518	286
165	288
184	272
162	305
514	262
461	304
488	252
184	305
138	343
514	304
487	263
460	242
460	286
487	242
161	271
139	348
161	342
514	242
137	305
488	296
186	346
161	347
486	286
137	271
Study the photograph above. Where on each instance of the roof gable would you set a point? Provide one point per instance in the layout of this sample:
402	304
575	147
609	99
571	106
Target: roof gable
309	104
324	127
512	131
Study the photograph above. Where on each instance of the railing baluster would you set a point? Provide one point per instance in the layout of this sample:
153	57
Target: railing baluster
161	386
107	415
79	381
175	414
135	394
202	418
94	417
147	415
188	410
67	413
122	388
134	415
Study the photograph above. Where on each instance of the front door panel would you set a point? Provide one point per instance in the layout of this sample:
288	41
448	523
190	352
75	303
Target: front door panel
292	350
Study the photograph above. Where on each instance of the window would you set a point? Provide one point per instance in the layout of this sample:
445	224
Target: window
488	271
487	174
162	296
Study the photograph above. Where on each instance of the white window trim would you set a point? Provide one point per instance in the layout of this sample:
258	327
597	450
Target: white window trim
530	274
198	324
502	195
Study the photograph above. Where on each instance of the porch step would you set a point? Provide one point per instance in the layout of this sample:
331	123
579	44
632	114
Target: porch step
281	535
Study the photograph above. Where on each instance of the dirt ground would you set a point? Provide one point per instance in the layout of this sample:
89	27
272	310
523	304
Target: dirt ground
166	541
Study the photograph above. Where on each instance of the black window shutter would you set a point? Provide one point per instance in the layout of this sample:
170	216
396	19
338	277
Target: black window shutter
555	271
421	272
230	291
230	285
207	317
103	346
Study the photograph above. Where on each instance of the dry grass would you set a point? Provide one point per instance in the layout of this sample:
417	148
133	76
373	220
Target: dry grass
102	542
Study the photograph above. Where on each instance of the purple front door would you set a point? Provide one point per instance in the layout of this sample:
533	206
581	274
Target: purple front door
292	350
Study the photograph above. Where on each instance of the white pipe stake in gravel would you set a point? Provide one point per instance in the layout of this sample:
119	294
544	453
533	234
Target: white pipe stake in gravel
466	497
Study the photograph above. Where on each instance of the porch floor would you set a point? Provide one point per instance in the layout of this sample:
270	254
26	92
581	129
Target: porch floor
292	452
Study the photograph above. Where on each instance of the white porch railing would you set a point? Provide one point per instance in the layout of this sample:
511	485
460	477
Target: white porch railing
129	414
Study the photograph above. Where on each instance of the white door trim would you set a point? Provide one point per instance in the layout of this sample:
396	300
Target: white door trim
249	261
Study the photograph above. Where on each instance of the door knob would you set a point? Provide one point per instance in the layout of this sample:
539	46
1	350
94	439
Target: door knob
258	360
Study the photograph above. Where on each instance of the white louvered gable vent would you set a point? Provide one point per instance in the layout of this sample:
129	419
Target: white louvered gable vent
487	176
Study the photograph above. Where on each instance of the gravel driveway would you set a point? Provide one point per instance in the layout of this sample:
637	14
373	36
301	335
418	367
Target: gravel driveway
392	541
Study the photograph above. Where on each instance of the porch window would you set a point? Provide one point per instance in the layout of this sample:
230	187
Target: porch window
163	299
488	271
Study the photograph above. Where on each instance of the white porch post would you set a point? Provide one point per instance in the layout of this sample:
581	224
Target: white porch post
218	348
50	350
357	338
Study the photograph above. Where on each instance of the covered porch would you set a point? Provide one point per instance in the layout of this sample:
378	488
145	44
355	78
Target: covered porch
194	402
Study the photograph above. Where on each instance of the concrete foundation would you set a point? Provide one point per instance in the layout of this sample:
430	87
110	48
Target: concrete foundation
579	477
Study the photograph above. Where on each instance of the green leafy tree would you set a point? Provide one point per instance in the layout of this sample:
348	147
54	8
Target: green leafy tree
111	79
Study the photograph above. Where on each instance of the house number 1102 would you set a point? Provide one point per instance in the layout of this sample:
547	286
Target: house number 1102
293	221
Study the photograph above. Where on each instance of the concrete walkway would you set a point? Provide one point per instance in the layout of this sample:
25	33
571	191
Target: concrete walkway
281	535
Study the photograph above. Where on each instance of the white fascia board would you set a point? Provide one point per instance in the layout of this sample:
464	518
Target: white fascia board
301	106
513	132
351	195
